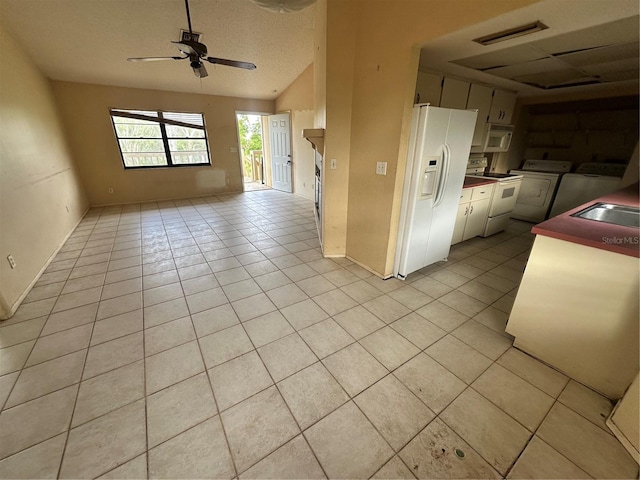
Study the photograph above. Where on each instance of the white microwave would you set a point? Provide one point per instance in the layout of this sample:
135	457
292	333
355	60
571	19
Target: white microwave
497	138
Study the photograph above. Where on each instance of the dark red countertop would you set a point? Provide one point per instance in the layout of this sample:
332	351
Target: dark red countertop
604	236
470	182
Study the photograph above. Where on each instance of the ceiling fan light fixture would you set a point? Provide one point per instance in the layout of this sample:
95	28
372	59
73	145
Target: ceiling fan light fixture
511	33
283	6
199	70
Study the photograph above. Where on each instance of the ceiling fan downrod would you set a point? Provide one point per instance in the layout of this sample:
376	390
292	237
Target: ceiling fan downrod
186	4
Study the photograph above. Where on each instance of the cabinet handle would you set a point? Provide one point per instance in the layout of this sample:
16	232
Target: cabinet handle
471	211
467	210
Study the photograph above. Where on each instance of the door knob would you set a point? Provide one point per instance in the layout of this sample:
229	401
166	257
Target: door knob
288	162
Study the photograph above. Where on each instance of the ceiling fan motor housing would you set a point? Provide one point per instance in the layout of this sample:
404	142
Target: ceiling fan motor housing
192	48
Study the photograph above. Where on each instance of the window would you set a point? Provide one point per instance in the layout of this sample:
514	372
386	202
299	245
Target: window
149	139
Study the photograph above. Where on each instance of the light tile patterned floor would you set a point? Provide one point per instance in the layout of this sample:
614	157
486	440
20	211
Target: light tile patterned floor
208	338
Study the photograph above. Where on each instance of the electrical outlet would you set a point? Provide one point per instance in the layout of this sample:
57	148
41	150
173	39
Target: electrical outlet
11	261
381	168
110	190
334	164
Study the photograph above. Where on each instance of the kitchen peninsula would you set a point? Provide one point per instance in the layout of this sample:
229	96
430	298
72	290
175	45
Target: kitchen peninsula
577	306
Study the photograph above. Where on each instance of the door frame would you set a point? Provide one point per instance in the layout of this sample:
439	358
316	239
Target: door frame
247	112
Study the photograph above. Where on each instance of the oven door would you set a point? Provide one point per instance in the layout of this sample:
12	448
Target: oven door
504	197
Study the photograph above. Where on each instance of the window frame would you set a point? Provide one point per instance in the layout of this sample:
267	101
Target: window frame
162	122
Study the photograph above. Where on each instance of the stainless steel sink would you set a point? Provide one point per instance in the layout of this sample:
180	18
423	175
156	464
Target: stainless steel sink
611	213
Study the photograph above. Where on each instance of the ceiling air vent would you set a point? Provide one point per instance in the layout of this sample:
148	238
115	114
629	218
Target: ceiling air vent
511	33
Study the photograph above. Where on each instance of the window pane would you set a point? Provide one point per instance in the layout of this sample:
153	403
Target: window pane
185	145
186	158
188	151
138	130
175	131
143	159
145	113
192	118
150	146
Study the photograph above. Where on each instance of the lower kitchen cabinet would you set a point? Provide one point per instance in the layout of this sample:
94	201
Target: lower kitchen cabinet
473	212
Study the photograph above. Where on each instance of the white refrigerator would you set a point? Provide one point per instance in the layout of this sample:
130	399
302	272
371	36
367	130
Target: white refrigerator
439	147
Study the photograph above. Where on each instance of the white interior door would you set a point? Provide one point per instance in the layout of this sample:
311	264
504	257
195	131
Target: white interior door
279	128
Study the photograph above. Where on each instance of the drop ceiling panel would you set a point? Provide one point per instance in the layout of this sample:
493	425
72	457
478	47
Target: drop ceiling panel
620	31
601	69
521	69
619	76
603	54
507	56
558	77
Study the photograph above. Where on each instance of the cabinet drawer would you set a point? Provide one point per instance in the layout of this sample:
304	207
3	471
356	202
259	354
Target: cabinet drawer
478	193
465	196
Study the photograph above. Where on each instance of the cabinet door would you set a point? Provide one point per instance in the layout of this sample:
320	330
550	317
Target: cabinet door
428	88
476	219
454	93
461	220
480	99
502	107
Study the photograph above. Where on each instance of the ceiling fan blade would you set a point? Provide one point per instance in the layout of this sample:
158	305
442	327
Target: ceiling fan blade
154	59
231	63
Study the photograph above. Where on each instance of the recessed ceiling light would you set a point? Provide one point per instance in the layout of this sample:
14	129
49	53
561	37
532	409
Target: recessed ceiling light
504	35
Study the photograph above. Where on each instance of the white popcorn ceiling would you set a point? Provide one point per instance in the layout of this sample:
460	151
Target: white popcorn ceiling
89	41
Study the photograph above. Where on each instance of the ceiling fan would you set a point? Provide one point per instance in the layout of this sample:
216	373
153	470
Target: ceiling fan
196	52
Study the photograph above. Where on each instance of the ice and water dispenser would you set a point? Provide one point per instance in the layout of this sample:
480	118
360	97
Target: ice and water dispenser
429	177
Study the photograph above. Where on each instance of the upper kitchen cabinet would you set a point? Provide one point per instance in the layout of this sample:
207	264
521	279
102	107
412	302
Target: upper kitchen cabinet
454	93
479	99
428	88
502	107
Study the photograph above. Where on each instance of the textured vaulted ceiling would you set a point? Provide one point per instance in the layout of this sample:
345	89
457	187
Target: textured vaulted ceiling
89	41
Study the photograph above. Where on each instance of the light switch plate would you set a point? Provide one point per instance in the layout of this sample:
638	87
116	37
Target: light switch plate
381	168
334	164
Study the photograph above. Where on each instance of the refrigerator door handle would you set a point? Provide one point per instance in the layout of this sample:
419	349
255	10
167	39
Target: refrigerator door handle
444	177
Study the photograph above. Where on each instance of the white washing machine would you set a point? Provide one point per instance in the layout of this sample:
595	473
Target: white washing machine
540	179
591	180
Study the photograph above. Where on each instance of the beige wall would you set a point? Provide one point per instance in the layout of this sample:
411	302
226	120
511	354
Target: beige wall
41	198
372	64
299	94
298	99
85	112
320	64
340	58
